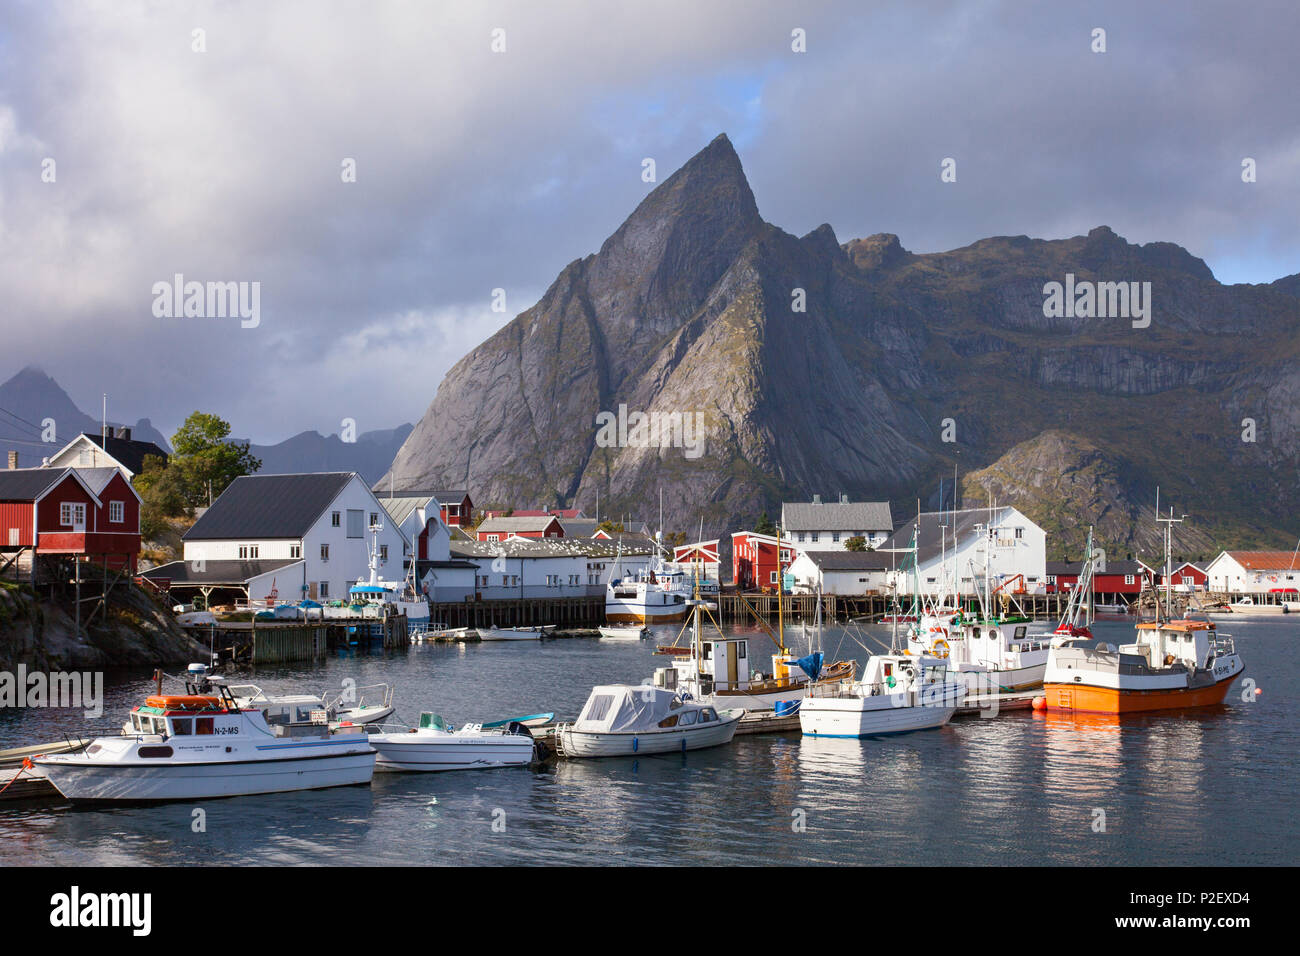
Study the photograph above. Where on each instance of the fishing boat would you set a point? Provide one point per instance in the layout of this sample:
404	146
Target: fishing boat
631	633
898	693
633	719
198	746
435	745
715	668
1171	665
512	633
652	595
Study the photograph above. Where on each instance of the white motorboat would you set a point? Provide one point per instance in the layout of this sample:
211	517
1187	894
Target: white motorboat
197	746
513	633
631	719
632	633
435	745
653	595
898	693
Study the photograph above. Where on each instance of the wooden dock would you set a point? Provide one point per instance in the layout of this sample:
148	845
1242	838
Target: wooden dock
521	612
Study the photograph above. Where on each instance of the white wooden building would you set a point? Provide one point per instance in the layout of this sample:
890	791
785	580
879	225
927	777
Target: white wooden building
955	544
322	522
546	568
827	526
1254	572
851	573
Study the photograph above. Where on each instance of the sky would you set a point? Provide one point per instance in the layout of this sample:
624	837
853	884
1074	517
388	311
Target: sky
479	169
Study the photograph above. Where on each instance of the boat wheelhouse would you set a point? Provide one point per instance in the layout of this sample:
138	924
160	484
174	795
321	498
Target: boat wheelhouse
632	719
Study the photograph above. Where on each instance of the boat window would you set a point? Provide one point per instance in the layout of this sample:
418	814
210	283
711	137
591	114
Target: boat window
599	707
135	722
688	718
707	714
155	751
182	726
203	725
669	721
159	725
1020	632
741	652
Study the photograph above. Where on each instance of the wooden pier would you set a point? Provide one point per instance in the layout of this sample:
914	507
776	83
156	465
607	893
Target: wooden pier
282	642
574	612
739	607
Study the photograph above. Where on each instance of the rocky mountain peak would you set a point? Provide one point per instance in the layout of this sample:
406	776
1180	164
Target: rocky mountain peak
881	251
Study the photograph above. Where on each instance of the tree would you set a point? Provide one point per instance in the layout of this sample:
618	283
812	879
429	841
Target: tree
764	525
856	543
162	493
610	527
206	460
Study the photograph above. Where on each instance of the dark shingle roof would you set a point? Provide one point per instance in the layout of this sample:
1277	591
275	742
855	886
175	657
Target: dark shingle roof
849	560
216	572
128	451
27	484
837	516
269	506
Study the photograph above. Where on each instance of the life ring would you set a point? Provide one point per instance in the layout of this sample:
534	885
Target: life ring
940	643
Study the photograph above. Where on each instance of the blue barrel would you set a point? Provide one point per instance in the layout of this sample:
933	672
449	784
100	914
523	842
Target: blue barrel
787	708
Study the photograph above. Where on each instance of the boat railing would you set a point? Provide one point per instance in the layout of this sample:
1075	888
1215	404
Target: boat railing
383	691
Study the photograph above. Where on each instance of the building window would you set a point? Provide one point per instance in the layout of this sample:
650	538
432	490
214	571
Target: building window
334	520
494	537
72	514
835	536
505	580
772	578
324	552
247	552
295	550
383	552
374	519
801	537
514	580
814	536
1128	579
1020	532
324	589
116	512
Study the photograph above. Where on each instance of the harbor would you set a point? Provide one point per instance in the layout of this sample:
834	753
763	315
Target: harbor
1016	789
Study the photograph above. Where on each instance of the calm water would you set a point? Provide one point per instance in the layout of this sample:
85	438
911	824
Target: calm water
1215	787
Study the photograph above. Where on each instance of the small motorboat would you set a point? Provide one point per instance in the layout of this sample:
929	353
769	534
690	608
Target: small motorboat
513	633
624	720
898	693
627	633
532	721
436	745
198	746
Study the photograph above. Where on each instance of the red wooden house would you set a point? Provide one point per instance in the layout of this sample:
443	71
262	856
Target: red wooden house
1187	577
754	559
498	529
77	512
454	507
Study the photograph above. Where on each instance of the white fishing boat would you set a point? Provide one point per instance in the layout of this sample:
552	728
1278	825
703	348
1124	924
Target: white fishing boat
632	633
435	745
653	595
631	719
198	746
512	633
898	693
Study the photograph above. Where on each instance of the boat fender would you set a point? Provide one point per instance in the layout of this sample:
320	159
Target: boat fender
683	745
635	743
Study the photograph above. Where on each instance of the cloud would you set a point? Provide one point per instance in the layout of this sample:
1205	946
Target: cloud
478	170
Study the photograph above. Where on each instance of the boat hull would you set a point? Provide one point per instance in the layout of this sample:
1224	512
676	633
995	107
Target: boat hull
622	633
698	737
86	782
397	752
623	614
879	716
1091	698
1003	681
492	634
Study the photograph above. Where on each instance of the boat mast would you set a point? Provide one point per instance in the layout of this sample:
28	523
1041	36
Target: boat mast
780	588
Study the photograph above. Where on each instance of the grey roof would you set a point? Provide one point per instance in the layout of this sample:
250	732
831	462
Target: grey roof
1064	567
128	451
849	560
934	528
28	484
269	506
548	548
216	573
423	564
837	516
97	478
399	508
579	527
516	525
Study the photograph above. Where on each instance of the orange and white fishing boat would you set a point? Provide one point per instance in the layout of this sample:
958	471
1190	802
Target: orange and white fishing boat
1172	665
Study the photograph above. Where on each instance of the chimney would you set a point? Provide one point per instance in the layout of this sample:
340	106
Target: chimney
817	499
844	499
124	432
13	460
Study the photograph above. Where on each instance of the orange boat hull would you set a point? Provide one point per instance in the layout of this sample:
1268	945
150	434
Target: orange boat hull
1108	700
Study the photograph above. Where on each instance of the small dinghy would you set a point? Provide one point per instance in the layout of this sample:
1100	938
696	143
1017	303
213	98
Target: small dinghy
632	633
624	720
436	745
513	633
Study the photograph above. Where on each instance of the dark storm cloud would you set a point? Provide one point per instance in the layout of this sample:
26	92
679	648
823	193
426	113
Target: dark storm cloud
479	170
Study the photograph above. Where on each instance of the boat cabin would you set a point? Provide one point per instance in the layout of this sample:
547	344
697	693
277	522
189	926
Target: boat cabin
992	640
183	716
896	673
1166	644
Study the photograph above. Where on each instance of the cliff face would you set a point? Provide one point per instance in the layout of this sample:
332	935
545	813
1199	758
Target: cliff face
821	367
